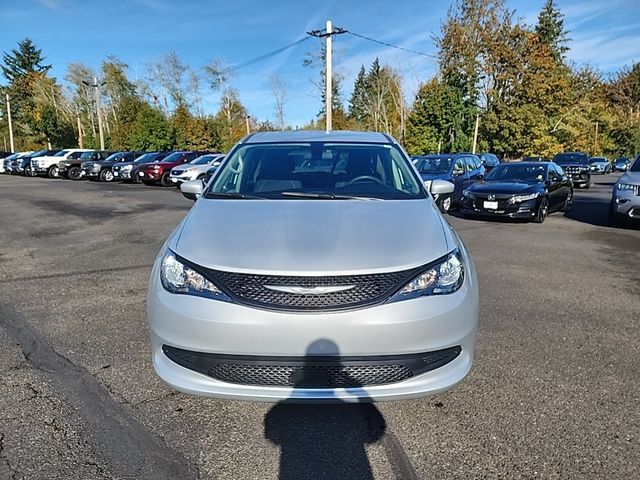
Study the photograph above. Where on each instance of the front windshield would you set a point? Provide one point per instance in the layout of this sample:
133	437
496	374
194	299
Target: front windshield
87	155
202	160
174	157
515	172
115	157
434	164
636	165
566	158
61	153
316	170
146	158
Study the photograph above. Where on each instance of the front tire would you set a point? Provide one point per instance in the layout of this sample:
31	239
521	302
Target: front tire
53	171
568	202
444	204
106	175
74	173
164	180
543	211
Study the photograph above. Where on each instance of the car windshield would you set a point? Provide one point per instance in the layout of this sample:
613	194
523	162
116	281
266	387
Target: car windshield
61	153
115	157
202	160
316	170
566	158
174	157
526	173
622	160
434	164
146	158
636	166
87	155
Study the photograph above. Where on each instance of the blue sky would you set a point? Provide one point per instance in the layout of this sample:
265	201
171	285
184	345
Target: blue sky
604	34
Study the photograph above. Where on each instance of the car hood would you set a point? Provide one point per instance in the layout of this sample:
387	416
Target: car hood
630	177
198	168
313	237
600	163
503	187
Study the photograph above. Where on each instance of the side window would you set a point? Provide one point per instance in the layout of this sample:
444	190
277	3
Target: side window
552	175
471	165
559	170
458	167
74	155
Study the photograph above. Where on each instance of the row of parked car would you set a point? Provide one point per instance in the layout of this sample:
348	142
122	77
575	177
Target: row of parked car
528	189
164	168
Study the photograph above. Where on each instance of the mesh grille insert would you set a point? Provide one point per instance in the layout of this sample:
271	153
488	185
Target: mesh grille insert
365	289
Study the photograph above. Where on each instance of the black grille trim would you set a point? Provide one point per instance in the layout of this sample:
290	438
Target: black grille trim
311	371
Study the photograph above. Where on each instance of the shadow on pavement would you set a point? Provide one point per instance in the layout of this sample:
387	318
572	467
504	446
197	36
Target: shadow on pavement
323	441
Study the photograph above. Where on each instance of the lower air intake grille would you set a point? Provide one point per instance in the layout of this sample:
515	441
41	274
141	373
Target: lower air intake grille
311	371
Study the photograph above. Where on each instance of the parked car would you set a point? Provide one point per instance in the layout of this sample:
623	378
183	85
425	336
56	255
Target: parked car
600	165
621	164
461	169
535	159
8	161
195	169
101	170
576	166
625	200
72	168
357	257
22	164
159	172
3	157
489	161
48	164
122	170
527	190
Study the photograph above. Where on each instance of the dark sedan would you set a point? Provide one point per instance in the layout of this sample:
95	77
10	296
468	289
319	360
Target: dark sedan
621	164
528	190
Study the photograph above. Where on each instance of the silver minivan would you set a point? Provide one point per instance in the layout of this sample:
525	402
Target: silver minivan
314	267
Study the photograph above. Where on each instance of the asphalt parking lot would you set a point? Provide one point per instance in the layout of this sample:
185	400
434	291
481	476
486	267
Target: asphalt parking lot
553	392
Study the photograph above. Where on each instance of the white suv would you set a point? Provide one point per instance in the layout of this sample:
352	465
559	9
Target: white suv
49	165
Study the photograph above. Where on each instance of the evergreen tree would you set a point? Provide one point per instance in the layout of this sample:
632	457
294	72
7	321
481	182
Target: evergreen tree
358	100
550	29
24	60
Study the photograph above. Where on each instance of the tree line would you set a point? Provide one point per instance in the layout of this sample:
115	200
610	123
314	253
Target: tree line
513	81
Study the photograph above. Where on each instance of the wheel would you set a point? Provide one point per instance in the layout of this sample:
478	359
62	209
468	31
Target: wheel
106	175
587	185
568	202
27	171
444	204
164	180
74	173
543	210
53	172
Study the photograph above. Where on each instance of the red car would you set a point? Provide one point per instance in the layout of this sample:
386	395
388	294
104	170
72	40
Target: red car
158	172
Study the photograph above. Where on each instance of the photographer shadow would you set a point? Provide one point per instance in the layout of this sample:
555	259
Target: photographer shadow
325	441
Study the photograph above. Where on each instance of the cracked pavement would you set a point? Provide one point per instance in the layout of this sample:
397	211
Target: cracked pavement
553	392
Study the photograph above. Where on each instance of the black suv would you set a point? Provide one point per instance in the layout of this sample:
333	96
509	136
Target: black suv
576	166
102	170
71	168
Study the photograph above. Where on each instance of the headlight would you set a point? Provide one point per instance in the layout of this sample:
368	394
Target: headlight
523	198
176	277
441	279
626	186
67	164
468	194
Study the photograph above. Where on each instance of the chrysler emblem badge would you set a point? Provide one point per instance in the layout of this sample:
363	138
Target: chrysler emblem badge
309	290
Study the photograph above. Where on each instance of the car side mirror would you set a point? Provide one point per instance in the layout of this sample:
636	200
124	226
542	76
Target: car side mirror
192	189
441	187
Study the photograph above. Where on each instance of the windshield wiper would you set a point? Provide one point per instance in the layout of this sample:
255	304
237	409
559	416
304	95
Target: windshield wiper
232	195
325	196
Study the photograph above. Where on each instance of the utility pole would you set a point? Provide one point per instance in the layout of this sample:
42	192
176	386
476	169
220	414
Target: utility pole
80	137
595	140
13	148
327	33
475	133
97	86
246	124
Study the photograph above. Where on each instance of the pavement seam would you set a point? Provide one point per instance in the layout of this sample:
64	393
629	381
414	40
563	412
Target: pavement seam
126	445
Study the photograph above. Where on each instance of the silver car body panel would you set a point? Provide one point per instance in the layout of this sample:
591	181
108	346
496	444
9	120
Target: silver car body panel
627	202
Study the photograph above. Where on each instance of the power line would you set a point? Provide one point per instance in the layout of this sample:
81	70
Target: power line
428	55
265	56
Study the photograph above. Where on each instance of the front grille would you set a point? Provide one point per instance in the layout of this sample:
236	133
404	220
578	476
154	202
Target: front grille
177	172
637	189
311	371
367	289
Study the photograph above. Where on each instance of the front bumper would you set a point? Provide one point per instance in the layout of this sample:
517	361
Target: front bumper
475	206
627	203
148	175
90	173
426	324
184	177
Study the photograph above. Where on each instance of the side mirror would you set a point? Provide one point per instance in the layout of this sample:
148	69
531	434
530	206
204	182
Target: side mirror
192	189
441	187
